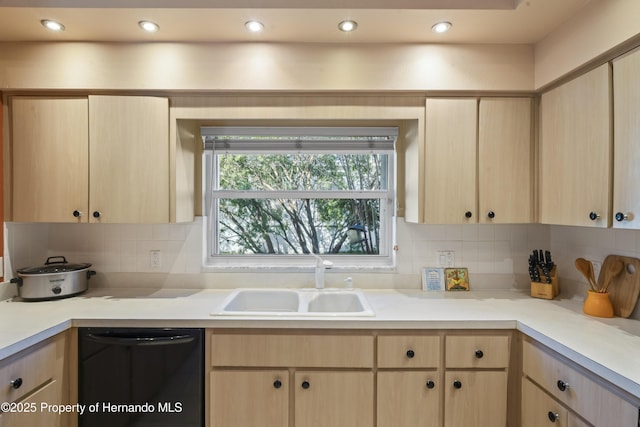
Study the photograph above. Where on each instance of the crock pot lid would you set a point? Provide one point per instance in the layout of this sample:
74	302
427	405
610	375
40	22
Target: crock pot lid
61	267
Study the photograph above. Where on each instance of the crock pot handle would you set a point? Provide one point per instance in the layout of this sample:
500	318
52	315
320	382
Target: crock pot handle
90	273
17	280
64	260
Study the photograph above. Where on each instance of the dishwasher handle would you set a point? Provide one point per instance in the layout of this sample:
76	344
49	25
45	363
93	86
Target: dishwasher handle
133	340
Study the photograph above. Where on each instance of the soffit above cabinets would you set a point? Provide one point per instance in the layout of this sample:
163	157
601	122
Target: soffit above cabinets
287	21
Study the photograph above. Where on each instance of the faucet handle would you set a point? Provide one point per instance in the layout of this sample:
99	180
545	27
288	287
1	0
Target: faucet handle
348	283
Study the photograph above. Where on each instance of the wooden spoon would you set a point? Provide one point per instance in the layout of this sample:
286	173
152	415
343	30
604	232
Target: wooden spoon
611	272
586	268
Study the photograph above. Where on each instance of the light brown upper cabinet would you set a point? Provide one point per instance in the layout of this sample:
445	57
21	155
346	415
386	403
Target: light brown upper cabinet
96	159
575	151
477	161
505	179
626	173
49	159
129	158
450	161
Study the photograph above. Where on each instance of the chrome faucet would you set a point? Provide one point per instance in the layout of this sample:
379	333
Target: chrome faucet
321	266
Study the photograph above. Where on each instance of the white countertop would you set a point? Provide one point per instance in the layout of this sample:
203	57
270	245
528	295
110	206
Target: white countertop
608	347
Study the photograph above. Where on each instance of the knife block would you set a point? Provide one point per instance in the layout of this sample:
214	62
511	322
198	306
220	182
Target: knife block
546	290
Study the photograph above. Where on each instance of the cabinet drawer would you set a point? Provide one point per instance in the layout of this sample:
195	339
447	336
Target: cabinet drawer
477	351
408	351
50	393
311	351
581	394
540	409
27	370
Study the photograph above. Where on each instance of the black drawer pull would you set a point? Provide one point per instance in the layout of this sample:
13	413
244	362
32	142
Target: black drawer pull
430	384
410	354
553	416
305	384
479	354
277	384
457	384
17	383
562	386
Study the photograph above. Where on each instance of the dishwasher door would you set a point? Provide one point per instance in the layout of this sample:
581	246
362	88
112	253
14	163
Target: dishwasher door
133	377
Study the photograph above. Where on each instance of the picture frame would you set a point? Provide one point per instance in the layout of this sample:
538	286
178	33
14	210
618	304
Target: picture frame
432	279
456	279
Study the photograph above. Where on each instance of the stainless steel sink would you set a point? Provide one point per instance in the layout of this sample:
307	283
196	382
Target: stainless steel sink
295	302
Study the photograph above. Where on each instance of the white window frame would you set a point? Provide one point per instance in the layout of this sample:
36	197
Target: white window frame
385	260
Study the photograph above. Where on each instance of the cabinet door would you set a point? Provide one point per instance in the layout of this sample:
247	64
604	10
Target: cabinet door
450	161
50	166
505	184
408	398
129	157
539	409
36	417
626	96
336	399
475	398
249	398
575	151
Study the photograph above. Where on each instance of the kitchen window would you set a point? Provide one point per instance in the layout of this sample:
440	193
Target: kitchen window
276	195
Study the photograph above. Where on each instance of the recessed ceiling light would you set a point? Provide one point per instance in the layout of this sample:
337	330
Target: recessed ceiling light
148	26
441	27
347	26
254	26
52	25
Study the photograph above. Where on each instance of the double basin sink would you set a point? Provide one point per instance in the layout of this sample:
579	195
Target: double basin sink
295	302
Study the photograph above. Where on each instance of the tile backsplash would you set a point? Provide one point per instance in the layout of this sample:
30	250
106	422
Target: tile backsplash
496	255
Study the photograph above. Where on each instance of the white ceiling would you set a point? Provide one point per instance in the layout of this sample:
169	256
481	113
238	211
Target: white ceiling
309	21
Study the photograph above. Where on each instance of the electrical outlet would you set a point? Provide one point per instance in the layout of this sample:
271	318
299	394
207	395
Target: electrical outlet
155	261
446	259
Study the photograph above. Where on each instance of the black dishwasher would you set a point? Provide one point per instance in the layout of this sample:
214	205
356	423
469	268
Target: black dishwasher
133	377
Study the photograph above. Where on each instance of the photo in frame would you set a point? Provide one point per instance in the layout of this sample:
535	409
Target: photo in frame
432	279
456	279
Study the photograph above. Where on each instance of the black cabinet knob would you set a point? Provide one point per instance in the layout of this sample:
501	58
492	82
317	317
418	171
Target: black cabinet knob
305	384
479	354
621	217
77	213
430	384
553	416
468	214
562	386
96	214
491	214
410	354
593	216
457	384
15	384
277	384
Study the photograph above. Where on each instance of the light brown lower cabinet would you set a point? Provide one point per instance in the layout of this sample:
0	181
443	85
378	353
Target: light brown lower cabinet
302	379
475	398
336	399
249	398
556	392
31	378
313	379
36	416
387	378
408	398
539	409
